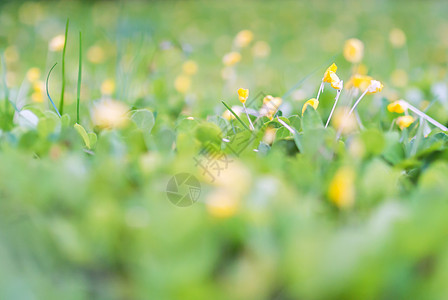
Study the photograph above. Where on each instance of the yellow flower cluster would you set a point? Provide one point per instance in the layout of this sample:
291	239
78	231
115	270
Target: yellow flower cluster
400	107
182	83
33	76
242	40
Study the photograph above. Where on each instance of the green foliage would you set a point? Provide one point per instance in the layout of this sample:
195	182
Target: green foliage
84	212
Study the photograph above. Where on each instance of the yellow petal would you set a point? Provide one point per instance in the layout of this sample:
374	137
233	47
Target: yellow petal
327	75
313	102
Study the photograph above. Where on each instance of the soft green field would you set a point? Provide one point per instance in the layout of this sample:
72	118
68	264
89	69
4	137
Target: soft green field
297	213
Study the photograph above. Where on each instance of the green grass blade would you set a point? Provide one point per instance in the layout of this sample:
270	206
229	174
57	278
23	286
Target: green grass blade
79	79
5	86
301	81
61	103
236	116
48	93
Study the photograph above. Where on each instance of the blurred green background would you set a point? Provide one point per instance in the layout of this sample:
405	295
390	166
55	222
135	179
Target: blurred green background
79	223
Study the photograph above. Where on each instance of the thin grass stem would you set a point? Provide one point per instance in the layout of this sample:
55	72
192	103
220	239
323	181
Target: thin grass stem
235	115
61	103
48	93
79	78
5	86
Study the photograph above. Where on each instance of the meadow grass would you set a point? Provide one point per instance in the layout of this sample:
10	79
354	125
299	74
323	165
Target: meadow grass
284	196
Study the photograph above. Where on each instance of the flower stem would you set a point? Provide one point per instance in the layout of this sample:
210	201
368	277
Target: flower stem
321	89
334	106
247	114
426	117
350	112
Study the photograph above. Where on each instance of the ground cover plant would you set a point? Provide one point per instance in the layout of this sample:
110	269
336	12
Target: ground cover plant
223	150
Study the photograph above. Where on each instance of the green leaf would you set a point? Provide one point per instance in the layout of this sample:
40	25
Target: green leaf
311	119
93	139
65	120
373	141
82	132
144	119
209	132
393	150
46	126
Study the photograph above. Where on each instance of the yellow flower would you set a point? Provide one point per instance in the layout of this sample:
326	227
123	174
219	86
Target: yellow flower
231	58
182	84
33	74
243	38
190	67
108	87
222	203
313	102
261	49
270	106
57	43
345	122
374	87
96	54
38	92
267	99
331	69
361	82
353	50
229	116
331	77
397	106
397	38
342	189
404	121
243	94
110	114
269	135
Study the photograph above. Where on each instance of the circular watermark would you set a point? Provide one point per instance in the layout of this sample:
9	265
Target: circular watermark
183	189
